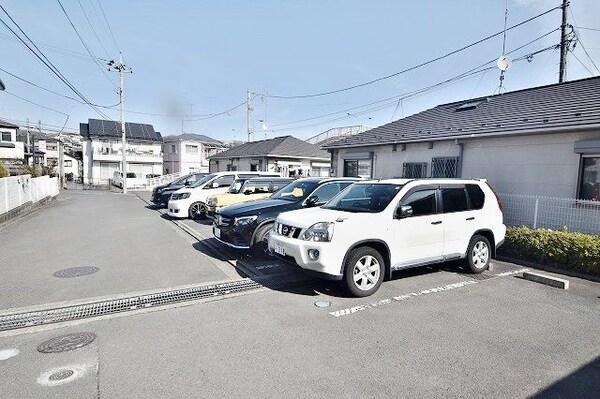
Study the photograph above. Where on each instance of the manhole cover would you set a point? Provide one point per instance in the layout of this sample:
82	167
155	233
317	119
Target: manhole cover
61	375
76	271
66	342
322	304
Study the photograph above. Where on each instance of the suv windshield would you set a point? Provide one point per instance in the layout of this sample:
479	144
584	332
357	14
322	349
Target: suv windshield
369	198
203	180
296	191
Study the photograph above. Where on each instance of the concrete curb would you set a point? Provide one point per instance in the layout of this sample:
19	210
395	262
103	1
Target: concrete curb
549	269
547	280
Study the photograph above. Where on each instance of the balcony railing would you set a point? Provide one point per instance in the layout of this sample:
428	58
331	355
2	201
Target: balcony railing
129	153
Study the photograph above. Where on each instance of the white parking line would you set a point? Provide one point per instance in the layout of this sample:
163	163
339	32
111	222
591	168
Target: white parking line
354	309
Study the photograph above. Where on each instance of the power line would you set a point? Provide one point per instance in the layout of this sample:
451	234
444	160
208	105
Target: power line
52	91
581	43
93	30
210	116
54	49
418	65
34	103
109	28
582	64
85	45
44	60
583	27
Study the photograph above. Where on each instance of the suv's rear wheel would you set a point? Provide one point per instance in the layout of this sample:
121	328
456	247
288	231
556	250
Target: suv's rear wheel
197	211
478	254
363	271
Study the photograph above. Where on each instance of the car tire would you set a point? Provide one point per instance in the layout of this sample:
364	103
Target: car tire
197	211
363	271
479	254
260	246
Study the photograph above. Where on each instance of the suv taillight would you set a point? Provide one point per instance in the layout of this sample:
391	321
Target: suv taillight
495	194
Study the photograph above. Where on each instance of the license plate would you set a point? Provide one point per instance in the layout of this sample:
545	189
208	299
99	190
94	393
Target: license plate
279	248
217	232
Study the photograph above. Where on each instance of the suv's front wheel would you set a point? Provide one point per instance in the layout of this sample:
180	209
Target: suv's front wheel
478	254
363	271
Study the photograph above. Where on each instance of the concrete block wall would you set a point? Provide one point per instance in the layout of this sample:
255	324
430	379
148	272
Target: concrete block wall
16	191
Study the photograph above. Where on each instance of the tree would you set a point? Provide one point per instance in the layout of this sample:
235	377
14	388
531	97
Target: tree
3	170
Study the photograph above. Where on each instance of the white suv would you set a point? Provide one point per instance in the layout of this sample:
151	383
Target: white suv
375	227
191	201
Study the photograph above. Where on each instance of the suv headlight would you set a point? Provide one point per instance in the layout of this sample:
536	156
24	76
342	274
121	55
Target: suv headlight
212	201
322	231
244	220
277	227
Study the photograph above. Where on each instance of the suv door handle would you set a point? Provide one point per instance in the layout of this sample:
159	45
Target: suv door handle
438	222
471	218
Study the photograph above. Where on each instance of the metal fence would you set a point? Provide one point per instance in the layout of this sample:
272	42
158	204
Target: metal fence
551	213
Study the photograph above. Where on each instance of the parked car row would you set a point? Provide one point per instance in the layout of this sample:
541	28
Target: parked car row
349	229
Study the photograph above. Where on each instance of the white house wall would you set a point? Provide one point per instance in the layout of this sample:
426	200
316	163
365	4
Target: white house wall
544	165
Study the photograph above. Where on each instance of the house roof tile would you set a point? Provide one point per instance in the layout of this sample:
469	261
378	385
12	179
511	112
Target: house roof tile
568	105
278	146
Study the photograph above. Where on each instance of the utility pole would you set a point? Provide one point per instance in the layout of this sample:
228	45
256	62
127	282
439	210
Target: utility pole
564	44
122	69
249	110
29	143
61	162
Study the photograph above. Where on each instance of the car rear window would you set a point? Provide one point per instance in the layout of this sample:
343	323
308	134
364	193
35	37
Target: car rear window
476	196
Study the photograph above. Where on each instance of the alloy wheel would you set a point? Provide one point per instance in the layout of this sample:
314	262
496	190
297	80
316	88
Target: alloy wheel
366	272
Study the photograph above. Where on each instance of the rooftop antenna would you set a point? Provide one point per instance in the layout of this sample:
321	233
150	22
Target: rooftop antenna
504	63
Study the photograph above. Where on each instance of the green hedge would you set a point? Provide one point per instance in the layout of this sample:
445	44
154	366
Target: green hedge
558	248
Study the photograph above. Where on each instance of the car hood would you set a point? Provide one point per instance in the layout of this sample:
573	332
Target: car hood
254	207
307	217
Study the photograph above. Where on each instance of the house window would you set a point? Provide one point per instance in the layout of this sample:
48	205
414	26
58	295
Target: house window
51	147
444	167
358	168
191	149
68	163
414	170
590	179
6	136
173	148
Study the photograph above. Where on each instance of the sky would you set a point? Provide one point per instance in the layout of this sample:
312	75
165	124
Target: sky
193	61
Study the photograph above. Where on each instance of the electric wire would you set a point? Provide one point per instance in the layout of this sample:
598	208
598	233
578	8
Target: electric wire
582	64
583	27
418	65
44	60
34	103
53	49
93	30
100	67
109	28
581	43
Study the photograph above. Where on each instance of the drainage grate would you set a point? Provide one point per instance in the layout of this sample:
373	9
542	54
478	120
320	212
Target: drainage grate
76	271
66	343
61	375
95	309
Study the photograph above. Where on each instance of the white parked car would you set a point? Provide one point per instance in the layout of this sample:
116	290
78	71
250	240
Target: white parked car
191	201
375	227
133	181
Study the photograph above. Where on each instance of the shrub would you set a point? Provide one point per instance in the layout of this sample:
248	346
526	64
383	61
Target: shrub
3	170
558	248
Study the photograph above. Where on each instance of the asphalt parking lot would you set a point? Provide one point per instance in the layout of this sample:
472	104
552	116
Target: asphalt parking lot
431	332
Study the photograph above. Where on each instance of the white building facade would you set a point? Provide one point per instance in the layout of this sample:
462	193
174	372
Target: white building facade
188	153
12	151
102	150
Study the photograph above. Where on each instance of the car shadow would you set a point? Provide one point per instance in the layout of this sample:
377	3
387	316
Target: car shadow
578	384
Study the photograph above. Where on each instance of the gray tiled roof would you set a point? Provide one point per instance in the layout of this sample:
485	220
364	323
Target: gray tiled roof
100	128
193	137
7	124
279	146
568	105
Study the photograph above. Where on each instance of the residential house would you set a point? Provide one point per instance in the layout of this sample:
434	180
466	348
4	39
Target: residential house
103	146
188	153
286	155
12	152
541	141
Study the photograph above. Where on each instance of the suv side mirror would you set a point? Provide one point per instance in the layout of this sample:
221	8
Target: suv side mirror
403	211
312	200
187	183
